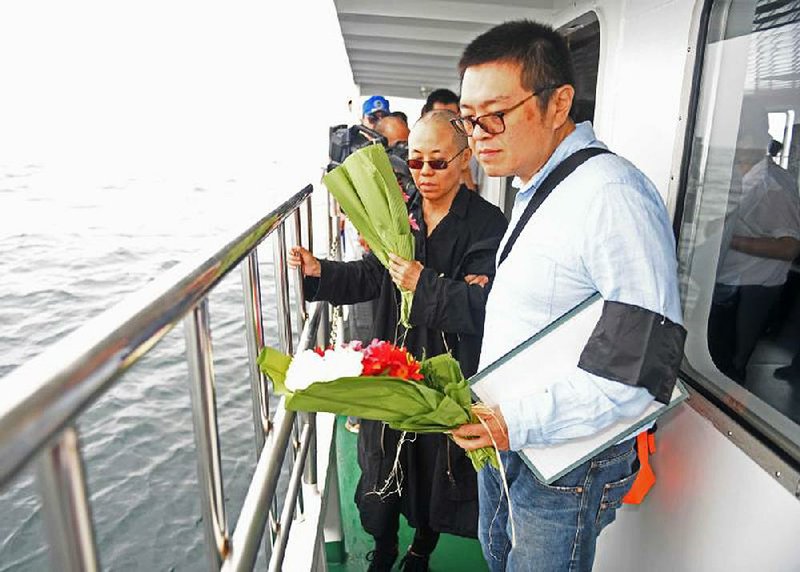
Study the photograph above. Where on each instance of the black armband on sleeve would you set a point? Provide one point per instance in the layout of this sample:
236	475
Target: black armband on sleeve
636	347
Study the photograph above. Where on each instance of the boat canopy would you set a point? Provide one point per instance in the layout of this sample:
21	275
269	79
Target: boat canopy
410	48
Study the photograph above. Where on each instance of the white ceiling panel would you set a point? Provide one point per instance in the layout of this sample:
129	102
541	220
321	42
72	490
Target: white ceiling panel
409	48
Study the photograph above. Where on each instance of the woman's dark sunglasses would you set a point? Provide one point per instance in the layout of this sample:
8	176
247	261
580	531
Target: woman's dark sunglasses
435	164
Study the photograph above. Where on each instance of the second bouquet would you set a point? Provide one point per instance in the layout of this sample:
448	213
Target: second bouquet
367	190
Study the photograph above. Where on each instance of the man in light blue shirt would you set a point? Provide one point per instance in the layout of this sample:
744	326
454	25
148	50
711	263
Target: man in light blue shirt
604	230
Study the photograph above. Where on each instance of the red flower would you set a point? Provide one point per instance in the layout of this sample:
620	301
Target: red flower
383	358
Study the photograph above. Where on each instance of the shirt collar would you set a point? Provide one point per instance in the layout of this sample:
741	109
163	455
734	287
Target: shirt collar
458	207
582	137
460	202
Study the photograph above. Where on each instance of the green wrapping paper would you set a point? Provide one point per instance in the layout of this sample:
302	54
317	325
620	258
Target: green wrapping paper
439	404
366	188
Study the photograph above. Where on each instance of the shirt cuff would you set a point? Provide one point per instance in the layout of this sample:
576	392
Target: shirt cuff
327	277
523	422
570	409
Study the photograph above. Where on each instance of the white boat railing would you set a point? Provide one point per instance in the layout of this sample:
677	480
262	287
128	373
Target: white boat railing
43	398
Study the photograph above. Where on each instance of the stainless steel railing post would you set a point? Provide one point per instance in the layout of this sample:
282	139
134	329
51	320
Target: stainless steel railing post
206	434
336	239
254	330
65	505
298	274
310	419
321	564
332	529
282	290
284	317
308	339
293	493
310	470
309	224
324	330
333	225
260	495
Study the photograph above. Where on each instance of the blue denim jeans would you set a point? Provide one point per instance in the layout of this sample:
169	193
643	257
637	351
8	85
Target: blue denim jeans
556	525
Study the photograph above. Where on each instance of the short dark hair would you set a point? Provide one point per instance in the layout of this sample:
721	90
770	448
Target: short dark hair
442	95
400	115
542	52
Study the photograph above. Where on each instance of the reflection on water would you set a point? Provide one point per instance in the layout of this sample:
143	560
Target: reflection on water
67	252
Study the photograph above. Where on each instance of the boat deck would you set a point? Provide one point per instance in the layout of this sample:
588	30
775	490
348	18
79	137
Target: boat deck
453	553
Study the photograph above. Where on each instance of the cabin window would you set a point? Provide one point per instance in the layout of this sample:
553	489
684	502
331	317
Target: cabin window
583	39
739	239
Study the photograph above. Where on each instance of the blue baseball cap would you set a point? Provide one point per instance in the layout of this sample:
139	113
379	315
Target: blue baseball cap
374	104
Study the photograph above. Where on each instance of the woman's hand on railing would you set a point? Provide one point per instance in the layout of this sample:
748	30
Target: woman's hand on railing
301	258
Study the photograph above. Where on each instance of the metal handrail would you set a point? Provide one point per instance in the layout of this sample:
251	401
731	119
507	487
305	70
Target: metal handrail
260	495
43	396
279	550
254	514
206	435
47	394
71	535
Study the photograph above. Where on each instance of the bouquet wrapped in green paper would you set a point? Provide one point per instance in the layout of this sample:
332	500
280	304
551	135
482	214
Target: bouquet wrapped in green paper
381	382
367	190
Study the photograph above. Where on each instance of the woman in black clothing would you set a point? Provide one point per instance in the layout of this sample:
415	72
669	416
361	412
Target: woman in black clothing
455	249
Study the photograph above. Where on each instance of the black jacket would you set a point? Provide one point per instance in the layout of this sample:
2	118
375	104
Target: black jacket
446	314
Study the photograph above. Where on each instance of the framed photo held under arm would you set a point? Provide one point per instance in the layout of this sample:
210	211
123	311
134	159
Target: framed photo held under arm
552	354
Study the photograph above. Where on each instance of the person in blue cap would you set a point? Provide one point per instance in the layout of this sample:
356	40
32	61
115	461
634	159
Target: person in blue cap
374	109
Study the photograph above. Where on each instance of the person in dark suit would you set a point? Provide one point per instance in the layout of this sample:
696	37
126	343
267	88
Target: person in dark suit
455	246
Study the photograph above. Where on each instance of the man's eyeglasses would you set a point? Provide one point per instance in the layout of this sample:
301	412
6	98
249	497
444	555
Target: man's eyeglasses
492	123
435	164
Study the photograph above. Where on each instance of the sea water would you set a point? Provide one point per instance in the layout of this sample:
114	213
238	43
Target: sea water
71	247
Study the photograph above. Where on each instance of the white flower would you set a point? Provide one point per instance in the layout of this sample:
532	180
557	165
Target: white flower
309	367
304	367
342	362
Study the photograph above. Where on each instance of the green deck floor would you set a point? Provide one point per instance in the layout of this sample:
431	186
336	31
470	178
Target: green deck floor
452	554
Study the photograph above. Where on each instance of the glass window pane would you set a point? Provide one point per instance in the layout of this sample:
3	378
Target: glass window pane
740	233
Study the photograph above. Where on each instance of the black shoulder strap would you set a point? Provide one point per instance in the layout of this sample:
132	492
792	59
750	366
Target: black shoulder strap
561	172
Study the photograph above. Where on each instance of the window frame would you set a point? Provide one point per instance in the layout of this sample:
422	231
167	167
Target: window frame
769	448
